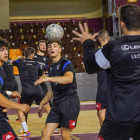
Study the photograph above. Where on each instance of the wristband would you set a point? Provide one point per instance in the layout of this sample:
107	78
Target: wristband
8	93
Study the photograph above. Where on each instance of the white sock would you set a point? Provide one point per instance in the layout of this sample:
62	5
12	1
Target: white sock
21	130
24	125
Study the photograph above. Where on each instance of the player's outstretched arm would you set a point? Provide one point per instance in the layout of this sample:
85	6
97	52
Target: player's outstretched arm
66	79
46	99
93	61
10	104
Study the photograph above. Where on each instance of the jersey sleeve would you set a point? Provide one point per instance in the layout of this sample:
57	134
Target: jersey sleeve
96	61
40	71
1	82
47	63
15	63
67	67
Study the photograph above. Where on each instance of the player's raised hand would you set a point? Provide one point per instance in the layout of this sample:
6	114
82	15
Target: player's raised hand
24	108
40	110
15	94
42	79
84	34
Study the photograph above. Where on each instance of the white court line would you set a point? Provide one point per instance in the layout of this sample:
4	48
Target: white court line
80	104
71	133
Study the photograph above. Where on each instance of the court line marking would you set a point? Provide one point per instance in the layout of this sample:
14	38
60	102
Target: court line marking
80	104
71	133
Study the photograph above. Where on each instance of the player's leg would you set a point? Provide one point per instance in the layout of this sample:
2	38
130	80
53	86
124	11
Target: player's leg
101	105
52	122
48	130
101	115
24	130
66	132
26	98
70	110
113	131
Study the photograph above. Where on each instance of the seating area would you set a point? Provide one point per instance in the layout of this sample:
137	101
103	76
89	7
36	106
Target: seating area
22	35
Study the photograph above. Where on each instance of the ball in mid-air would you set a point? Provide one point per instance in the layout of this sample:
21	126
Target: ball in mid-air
54	32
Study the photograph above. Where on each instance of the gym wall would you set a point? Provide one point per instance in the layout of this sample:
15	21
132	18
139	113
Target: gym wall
86	86
30	9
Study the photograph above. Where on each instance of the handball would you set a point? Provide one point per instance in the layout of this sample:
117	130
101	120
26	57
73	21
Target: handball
54	32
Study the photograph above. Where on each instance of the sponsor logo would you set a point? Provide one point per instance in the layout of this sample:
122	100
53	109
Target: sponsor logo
98	106
44	59
127	47
72	124
135	56
35	56
8	136
57	67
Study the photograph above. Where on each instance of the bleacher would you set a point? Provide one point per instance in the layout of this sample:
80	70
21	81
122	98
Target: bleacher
22	35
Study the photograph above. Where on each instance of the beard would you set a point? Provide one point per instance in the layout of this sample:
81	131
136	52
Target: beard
43	51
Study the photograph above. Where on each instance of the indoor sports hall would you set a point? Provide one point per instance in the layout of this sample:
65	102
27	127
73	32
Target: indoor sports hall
23	24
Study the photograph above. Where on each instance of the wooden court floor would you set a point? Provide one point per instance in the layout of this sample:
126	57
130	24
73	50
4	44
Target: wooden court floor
87	121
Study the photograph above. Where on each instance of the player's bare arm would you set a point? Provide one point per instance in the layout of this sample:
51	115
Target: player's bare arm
10	104
46	99
66	79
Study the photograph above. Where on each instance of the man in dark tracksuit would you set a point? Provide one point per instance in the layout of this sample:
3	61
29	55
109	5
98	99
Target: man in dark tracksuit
123	56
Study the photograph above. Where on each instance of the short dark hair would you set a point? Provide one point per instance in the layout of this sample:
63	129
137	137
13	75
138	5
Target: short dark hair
130	15
29	51
41	41
103	34
50	42
4	42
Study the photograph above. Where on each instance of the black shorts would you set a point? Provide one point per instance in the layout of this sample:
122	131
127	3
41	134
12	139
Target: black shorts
28	98
65	113
12	86
44	88
113	131
101	100
6	131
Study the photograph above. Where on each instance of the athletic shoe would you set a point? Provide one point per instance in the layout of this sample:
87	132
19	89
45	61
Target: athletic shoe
23	134
17	120
59	130
56	131
26	134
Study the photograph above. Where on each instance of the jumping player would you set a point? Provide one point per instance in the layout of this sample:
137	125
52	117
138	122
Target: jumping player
66	105
101	101
123	106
